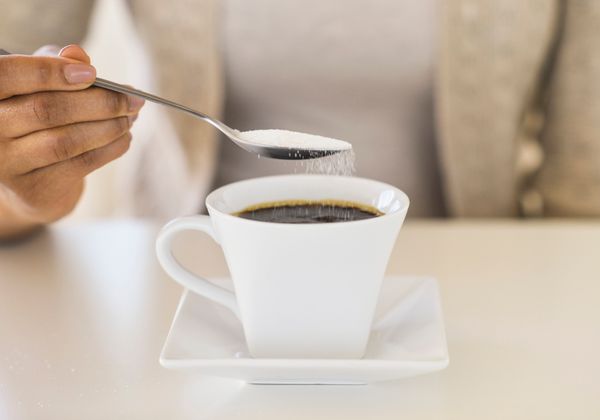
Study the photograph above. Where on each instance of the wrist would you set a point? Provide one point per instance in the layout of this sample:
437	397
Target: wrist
14	223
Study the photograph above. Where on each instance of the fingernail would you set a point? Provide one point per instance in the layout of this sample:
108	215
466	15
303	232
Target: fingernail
68	47
135	103
79	73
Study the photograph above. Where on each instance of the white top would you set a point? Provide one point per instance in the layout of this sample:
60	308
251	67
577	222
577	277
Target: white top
347	69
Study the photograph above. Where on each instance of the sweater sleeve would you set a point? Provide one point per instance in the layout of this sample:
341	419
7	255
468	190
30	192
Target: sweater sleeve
26	25
569	180
490	57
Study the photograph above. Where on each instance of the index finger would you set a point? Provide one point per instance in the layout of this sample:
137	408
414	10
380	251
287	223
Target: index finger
24	74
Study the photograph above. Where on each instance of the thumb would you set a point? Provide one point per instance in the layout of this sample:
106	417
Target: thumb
75	52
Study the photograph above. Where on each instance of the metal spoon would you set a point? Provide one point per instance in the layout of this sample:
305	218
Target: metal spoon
276	152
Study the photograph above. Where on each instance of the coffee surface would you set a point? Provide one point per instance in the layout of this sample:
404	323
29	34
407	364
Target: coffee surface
305	211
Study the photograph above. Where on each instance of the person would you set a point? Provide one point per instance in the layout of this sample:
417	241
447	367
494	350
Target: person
475	109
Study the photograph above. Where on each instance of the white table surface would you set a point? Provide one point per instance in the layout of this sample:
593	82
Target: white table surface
84	311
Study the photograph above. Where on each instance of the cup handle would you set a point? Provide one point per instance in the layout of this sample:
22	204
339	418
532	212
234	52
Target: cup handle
181	275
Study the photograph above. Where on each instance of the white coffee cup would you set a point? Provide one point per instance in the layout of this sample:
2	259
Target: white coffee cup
301	290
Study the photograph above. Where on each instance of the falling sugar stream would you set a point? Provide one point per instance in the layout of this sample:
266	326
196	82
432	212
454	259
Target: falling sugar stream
341	163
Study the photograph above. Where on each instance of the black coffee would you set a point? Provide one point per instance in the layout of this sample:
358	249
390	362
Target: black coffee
303	211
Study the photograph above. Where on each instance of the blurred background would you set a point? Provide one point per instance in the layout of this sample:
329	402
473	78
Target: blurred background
473	108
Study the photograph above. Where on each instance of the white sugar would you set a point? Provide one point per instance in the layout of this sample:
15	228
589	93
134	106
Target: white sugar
341	163
294	140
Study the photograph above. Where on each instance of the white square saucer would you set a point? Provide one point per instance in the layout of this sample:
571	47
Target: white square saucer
407	339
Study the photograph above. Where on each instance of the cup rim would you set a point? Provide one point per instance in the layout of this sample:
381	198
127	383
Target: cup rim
400	211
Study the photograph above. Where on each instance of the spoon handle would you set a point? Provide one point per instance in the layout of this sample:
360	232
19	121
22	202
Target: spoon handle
117	87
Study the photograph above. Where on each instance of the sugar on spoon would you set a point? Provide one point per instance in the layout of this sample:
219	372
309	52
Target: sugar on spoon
277	144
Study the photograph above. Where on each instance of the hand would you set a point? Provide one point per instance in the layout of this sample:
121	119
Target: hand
54	130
